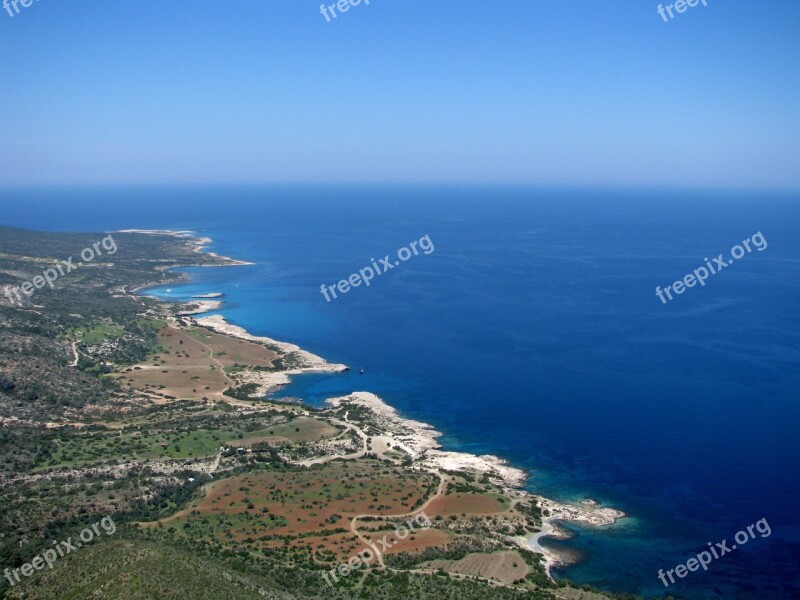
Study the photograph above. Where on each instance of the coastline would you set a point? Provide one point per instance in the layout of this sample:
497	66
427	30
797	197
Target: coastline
549	530
198	244
265	380
418	439
199	307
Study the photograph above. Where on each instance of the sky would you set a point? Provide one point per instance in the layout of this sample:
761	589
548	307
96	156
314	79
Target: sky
401	91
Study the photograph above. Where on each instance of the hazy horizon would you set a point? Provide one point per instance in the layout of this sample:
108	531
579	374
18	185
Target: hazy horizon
451	93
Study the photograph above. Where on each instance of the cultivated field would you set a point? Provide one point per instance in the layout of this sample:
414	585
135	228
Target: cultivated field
192	363
302	429
502	566
474	504
310	508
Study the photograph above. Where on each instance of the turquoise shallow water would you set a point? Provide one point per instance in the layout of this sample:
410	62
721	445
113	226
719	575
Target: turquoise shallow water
533	332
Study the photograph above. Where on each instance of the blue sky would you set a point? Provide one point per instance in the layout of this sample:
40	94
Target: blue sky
520	92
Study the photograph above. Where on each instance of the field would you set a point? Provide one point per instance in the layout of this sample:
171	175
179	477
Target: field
474	504
310	509
99	334
502	566
192	363
302	429
420	540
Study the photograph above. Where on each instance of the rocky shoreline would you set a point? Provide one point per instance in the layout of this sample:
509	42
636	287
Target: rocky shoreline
417	439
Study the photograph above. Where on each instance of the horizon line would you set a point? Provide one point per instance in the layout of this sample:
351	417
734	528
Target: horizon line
406	184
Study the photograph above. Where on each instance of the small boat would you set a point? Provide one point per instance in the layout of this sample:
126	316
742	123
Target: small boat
361	372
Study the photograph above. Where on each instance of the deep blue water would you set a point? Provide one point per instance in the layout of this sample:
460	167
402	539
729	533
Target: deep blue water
533	332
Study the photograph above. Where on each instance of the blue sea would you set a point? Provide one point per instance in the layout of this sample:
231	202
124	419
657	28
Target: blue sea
533	332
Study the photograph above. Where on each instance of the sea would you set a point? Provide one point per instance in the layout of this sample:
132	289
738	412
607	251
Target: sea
529	328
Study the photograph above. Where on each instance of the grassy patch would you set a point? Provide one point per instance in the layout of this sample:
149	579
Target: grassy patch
99	334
